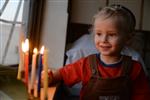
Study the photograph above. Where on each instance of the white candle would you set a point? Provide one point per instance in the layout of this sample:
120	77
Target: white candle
33	68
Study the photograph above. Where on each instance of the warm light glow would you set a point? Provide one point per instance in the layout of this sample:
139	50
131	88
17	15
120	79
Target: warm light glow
23	46
35	51
42	50
26	45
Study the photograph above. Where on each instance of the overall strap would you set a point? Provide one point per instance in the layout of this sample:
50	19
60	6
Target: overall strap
93	65
126	65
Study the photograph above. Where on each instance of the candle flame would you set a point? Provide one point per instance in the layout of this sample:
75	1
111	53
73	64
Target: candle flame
42	50
23	46
35	51
26	45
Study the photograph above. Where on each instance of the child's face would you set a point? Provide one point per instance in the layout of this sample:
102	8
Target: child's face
108	40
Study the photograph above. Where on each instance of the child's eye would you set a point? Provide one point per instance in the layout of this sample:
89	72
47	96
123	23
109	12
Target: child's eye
113	34
99	34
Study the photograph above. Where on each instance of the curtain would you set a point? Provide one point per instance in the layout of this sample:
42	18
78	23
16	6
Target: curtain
35	20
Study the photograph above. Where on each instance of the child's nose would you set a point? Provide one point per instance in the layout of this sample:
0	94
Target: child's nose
104	38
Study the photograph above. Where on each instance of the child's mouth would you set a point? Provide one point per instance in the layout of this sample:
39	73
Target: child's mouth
105	47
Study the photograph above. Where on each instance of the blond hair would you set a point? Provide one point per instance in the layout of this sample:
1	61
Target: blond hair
123	17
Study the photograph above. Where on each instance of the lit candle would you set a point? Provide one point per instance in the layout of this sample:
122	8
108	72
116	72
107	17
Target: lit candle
26	61
21	62
40	69
45	67
33	70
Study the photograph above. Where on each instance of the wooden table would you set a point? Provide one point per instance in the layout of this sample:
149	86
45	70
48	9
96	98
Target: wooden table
51	93
16	89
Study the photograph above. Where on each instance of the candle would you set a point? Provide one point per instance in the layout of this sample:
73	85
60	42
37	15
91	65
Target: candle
45	67
21	62
26	60
40	69
33	70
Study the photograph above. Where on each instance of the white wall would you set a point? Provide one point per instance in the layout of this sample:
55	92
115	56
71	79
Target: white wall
54	31
146	19
84	10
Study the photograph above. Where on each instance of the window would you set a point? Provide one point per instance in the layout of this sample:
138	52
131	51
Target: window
11	24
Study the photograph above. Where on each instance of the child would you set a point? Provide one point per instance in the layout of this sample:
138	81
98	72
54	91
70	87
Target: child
108	75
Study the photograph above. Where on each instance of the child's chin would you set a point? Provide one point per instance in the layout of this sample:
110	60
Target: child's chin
105	54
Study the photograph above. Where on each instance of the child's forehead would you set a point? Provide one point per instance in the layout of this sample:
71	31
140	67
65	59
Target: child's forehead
105	22
110	22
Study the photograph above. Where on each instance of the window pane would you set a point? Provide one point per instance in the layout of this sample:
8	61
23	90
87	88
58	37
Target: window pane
2	3
10	10
10	32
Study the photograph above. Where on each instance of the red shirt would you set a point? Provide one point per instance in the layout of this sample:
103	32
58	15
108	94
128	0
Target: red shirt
81	71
